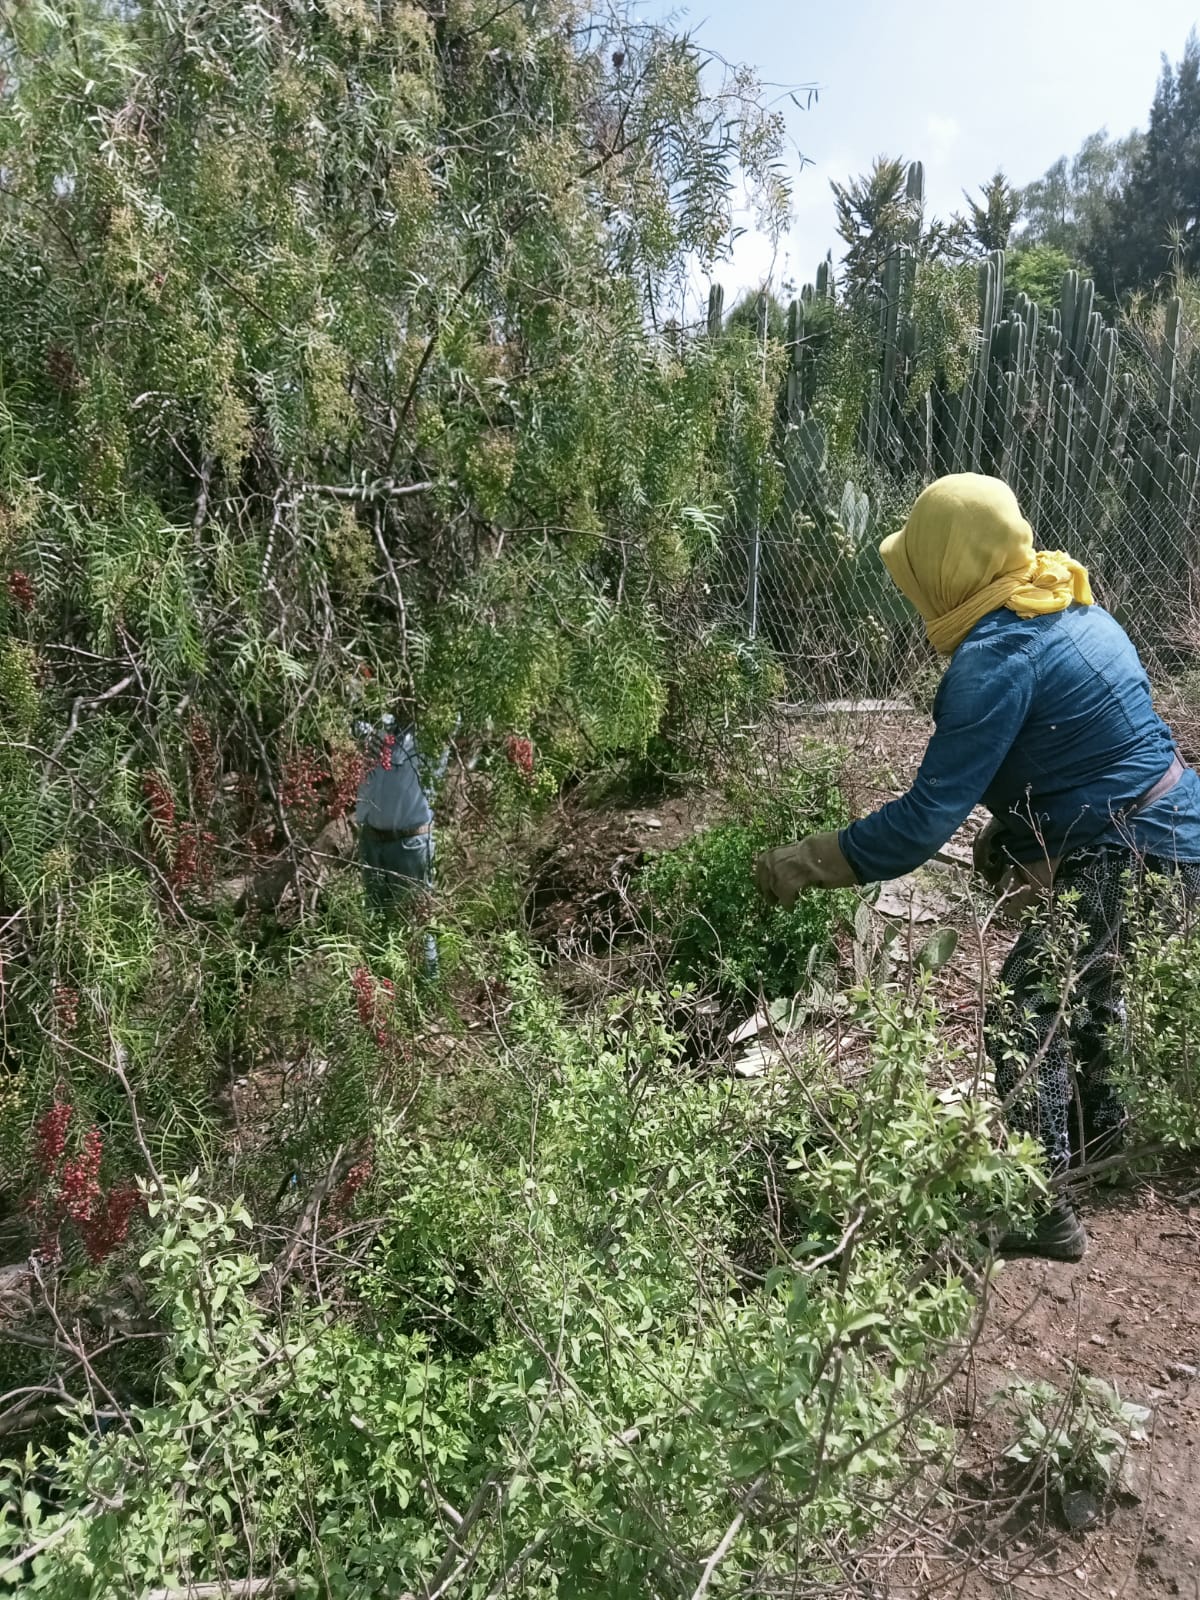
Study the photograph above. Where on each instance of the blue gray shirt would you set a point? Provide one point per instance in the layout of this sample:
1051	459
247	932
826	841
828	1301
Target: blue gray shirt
1047	722
397	797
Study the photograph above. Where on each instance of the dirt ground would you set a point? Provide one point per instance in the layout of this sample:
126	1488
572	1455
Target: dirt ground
1129	1313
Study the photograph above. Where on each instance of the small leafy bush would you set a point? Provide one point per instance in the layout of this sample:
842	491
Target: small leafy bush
720	687
1078	1437
1157	1066
704	901
921	1168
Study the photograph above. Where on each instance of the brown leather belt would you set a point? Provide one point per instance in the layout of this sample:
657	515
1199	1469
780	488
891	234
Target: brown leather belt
1022	882
395	835
1156	791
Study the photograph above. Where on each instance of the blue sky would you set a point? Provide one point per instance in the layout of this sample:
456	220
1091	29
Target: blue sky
963	86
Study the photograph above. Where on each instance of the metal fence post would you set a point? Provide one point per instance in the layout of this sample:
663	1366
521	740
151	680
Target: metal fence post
761	321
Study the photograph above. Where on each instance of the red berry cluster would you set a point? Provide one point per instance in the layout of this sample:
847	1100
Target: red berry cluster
359	1174
363	987
374	999
190	847
73	1189
386	747
51	1135
192	862
108	1229
66	1008
158	796
519	751
300	789
348	769
21	591
79	1183
202	763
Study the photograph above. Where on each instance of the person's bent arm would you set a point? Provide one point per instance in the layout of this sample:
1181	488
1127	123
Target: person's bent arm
980	708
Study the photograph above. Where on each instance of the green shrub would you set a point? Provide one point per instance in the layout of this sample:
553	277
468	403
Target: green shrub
301	430
1078	1438
704	902
1157	1066
720	687
557	1335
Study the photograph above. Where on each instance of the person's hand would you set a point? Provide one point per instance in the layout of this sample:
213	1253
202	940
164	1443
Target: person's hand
815	863
988	853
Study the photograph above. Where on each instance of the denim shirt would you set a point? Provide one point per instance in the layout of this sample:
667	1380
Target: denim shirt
1048	723
397	797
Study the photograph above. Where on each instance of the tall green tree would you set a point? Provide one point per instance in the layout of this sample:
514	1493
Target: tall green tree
263	275
328	388
990	220
882	210
1155	223
1071	206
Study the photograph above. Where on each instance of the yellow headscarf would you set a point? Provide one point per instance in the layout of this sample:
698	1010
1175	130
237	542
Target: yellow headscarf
966	550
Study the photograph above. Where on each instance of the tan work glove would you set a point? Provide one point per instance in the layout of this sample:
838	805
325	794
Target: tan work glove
988	853
815	863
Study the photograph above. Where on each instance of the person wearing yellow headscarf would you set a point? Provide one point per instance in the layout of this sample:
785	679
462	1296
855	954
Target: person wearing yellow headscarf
1044	717
966	551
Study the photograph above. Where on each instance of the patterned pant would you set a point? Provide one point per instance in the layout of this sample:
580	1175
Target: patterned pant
1049	1034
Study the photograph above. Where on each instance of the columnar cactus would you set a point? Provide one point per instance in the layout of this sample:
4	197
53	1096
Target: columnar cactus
1102	459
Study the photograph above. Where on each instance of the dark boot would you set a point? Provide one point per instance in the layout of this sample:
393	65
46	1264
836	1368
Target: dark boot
1057	1236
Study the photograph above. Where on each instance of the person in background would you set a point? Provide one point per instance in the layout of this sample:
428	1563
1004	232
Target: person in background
1044	716
395	822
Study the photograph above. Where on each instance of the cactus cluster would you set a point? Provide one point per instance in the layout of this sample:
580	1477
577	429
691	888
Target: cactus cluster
1048	406
1101	444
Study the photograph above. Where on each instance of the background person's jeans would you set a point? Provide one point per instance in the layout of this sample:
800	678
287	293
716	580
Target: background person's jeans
395	874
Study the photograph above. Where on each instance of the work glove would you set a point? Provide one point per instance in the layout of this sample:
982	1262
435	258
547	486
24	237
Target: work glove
991	862
815	863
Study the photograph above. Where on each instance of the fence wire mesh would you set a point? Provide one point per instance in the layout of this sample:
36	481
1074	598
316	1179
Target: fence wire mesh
1096	428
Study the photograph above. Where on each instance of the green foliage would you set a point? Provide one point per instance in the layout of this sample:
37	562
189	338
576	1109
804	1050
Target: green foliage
879	213
990	219
1126	206
1071	207
1153	224
328	388
944	314
1037	271
704	901
923	1169
1163	331
1078	1438
720	690
1158	1074
583	1327
759	311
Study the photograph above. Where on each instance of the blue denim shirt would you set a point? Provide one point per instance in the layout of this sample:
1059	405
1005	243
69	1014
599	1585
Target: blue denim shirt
398	796
1048	723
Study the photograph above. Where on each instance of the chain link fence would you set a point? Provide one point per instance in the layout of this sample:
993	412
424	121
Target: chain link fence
1097	429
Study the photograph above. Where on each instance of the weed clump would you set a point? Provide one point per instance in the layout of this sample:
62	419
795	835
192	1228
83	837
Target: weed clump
704	902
